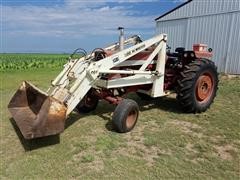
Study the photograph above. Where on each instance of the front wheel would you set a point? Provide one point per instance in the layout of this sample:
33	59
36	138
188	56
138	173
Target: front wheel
125	115
198	85
88	103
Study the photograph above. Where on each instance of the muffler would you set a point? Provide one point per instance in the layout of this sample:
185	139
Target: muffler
35	113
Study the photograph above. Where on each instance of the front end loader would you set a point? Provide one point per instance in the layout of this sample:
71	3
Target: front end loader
130	65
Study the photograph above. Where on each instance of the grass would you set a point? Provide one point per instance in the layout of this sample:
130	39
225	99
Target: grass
21	61
165	144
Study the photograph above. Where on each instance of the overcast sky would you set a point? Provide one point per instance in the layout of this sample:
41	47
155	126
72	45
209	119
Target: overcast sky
60	26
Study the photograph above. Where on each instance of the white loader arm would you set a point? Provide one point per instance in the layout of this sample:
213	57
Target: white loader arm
80	75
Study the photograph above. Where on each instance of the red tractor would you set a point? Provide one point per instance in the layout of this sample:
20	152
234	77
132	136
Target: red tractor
130	65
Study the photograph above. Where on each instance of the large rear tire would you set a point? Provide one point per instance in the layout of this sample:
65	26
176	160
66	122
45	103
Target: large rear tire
125	116
198	86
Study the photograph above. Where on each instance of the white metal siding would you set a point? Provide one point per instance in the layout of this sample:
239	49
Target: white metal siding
219	31
213	31
233	54
176	29
203	7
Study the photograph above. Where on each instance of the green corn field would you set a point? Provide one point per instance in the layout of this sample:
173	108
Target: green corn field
31	61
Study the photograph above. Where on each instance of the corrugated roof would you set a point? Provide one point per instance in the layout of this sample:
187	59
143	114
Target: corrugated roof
174	9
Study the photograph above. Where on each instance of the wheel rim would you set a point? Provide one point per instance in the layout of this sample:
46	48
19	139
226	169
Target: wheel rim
204	87
89	101
131	119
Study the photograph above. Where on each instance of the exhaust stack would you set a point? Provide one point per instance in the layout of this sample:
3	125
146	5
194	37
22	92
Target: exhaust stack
121	38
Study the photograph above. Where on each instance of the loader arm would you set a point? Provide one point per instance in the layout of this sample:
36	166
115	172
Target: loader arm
88	72
74	64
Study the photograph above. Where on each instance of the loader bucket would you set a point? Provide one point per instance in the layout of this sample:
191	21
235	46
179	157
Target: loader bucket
35	113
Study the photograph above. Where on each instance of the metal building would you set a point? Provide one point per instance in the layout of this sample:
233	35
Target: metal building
212	22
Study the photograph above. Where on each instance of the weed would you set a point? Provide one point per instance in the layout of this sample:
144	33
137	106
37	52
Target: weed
87	158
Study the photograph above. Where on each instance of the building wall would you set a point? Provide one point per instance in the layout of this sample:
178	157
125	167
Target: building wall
203	7
219	31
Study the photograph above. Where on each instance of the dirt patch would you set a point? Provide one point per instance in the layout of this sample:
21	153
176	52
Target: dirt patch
191	151
135	147
229	76
95	163
224	152
217	139
132	146
190	148
140	152
187	127
93	134
84	153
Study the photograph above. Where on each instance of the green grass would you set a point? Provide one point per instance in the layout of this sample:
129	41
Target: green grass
165	144
31	61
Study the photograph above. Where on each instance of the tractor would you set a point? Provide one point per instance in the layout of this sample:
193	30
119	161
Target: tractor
147	67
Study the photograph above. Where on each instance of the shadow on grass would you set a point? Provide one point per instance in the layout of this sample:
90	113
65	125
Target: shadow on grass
165	103
168	104
32	144
37	143
74	117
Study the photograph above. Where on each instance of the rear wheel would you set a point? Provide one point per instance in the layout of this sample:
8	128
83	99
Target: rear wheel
88	103
125	115
198	86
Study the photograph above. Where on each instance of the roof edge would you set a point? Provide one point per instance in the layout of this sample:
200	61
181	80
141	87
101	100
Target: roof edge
174	9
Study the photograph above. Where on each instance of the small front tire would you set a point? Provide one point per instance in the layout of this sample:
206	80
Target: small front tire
88	103
125	116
